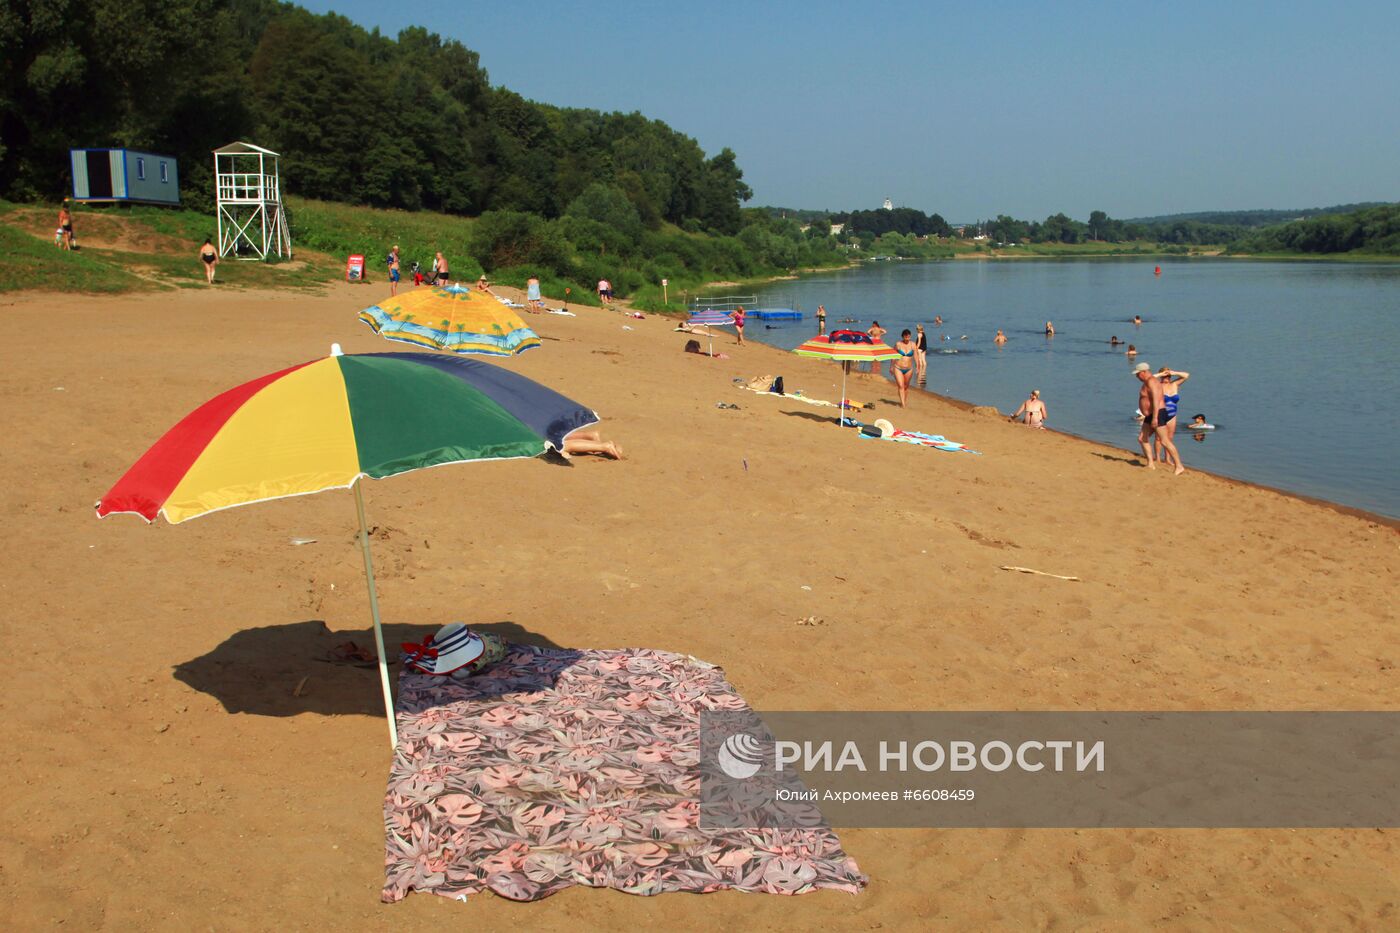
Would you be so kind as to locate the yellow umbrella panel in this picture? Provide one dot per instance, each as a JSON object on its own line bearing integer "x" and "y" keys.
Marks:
{"x": 451, "y": 318}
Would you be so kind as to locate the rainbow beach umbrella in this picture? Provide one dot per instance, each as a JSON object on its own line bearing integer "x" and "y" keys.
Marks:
{"x": 451, "y": 318}
{"x": 847, "y": 347}
{"x": 327, "y": 424}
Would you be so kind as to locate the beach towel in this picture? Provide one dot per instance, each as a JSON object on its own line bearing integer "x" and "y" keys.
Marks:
{"x": 936, "y": 441}
{"x": 557, "y": 767}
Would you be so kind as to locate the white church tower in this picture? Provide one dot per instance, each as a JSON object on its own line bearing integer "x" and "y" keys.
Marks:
{"x": 888, "y": 205}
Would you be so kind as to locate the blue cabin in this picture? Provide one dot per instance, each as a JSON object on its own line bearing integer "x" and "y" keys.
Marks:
{"x": 124, "y": 175}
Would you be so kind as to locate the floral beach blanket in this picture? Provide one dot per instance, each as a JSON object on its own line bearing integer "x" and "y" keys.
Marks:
{"x": 557, "y": 767}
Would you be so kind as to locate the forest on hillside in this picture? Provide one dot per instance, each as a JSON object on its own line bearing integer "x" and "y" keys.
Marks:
{"x": 409, "y": 122}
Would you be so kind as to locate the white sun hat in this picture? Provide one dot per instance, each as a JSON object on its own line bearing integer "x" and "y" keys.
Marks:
{"x": 453, "y": 647}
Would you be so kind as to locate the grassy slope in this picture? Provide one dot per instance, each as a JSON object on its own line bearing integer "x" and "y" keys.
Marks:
{"x": 128, "y": 248}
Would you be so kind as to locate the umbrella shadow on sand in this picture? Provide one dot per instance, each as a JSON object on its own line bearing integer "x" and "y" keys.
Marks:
{"x": 259, "y": 670}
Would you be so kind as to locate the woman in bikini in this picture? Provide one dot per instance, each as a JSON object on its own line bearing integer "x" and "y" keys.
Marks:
{"x": 921, "y": 355}
{"x": 1171, "y": 380}
{"x": 877, "y": 334}
{"x": 904, "y": 366}
{"x": 210, "y": 257}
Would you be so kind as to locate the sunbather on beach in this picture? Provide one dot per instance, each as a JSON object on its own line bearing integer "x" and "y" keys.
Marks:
{"x": 1033, "y": 410}
{"x": 590, "y": 442}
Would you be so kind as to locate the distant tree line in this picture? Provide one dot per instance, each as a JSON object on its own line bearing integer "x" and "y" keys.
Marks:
{"x": 1374, "y": 230}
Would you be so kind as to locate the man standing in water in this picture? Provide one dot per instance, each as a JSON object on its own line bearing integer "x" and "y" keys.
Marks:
{"x": 1154, "y": 418}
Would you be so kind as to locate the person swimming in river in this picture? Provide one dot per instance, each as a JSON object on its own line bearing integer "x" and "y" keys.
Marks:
{"x": 1132, "y": 351}
{"x": 1137, "y": 320}
{"x": 1114, "y": 341}
{"x": 1049, "y": 329}
{"x": 938, "y": 320}
{"x": 999, "y": 339}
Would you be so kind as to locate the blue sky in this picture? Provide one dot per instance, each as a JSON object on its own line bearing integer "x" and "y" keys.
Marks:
{"x": 976, "y": 108}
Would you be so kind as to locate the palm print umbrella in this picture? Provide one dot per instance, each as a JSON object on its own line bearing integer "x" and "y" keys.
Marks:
{"x": 847, "y": 347}
{"x": 451, "y": 318}
{"x": 329, "y": 423}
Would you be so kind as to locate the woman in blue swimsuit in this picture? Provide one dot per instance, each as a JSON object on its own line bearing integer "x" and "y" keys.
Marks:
{"x": 904, "y": 366}
{"x": 1171, "y": 380}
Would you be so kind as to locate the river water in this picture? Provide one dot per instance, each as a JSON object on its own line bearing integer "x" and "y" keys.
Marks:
{"x": 1296, "y": 363}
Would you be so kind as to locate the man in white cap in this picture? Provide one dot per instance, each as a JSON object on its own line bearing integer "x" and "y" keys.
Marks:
{"x": 1154, "y": 418}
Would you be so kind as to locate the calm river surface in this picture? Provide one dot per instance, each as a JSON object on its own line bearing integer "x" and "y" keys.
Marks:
{"x": 1298, "y": 364}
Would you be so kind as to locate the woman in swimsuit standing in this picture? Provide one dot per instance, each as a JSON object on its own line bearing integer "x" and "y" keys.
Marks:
{"x": 904, "y": 366}
{"x": 210, "y": 257}
{"x": 1171, "y": 380}
{"x": 921, "y": 356}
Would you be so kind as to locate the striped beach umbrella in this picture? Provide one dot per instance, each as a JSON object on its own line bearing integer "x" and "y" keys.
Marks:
{"x": 452, "y": 318}
{"x": 329, "y": 423}
{"x": 707, "y": 318}
{"x": 847, "y": 347}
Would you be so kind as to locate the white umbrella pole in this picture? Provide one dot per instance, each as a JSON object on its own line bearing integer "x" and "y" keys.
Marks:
{"x": 841, "y": 405}
{"x": 374, "y": 613}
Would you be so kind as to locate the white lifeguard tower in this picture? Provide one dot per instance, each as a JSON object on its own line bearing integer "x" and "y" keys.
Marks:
{"x": 248, "y": 191}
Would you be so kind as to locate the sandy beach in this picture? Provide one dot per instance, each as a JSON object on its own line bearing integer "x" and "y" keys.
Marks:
{"x": 164, "y": 773}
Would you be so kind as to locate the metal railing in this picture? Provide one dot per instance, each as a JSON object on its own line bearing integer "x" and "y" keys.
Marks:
{"x": 252, "y": 187}
{"x": 725, "y": 303}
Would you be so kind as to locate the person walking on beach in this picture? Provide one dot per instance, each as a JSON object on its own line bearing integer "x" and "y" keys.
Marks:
{"x": 999, "y": 339}
{"x": 1154, "y": 419}
{"x": 1171, "y": 380}
{"x": 1034, "y": 411}
{"x": 440, "y": 270}
{"x": 903, "y": 367}
{"x": 739, "y": 322}
{"x": 394, "y": 270}
{"x": 605, "y": 291}
{"x": 210, "y": 257}
{"x": 921, "y": 355}
{"x": 65, "y": 223}
{"x": 532, "y": 294}
{"x": 821, "y": 320}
